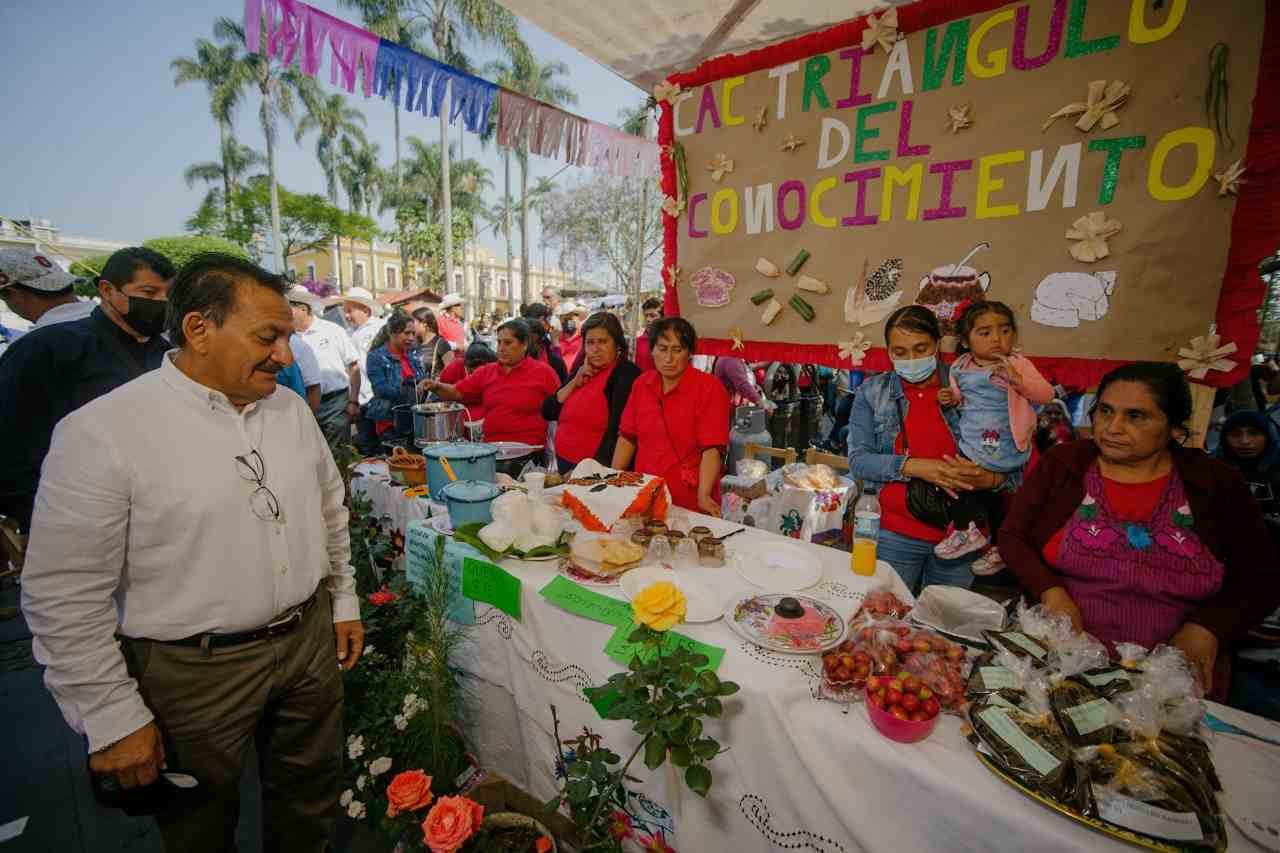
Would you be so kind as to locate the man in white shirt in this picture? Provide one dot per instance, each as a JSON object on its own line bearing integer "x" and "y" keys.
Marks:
{"x": 198, "y": 516}
{"x": 308, "y": 368}
{"x": 340, "y": 367}
{"x": 38, "y": 290}
{"x": 361, "y": 313}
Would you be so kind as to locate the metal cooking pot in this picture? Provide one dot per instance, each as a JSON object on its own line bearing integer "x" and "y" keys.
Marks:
{"x": 403, "y": 416}
{"x": 434, "y": 422}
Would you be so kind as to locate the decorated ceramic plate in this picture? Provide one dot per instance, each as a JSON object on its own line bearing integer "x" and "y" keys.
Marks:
{"x": 508, "y": 450}
{"x": 780, "y": 567}
{"x": 1117, "y": 832}
{"x": 701, "y": 605}
{"x": 575, "y": 574}
{"x": 753, "y": 617}
{"x": 442, "y": 525}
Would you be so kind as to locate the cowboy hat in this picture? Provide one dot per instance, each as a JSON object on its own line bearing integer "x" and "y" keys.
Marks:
{"x": 298, "y": 293}
{"x": 449, "y": 301}
{"x": 358, "y": 295}
{"x": 571, "y": 308}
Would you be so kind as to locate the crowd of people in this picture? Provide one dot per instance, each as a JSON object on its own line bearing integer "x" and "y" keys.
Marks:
{"x": 180, "y": 507}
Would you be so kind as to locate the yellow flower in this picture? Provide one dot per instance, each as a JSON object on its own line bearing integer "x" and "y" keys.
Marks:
{"x": 660, "y": 606}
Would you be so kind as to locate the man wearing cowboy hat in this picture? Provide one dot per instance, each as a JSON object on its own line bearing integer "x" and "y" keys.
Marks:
{"x": 449, "y": 321}
{"x": 571, "y": 316}
{"x": 340, "y": 368}
{"x": 363, "y": 316}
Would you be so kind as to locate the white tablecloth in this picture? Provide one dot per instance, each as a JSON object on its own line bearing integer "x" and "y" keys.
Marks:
{"x": 800, "y": 773}
{"x": 392, "y": 510}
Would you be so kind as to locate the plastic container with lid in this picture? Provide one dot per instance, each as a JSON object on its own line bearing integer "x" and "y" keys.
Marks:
{"x": 469, "y": 461}
{"x": 469, "y": 501}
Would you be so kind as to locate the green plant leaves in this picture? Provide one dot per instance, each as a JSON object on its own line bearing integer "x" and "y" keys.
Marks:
{"x": 655, "y": 751}
{"x": 698, "y": 778}
{"x": 685, "y": 677}
{"x": 681, "y": 756}
{"x": 712, "y": 708}
{"x": 728, "y": 688}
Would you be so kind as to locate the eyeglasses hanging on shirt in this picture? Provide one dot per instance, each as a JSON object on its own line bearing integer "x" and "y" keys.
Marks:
{"x": 253, "y": 468}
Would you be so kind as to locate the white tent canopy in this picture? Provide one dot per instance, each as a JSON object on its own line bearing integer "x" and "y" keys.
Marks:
{"x": 644, "y": 41}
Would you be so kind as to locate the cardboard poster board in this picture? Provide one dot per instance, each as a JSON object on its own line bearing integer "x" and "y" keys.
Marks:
{"x": 897, "y": 201}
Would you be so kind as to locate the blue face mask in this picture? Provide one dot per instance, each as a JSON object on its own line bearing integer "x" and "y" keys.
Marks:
{"x": 916, "y": 369}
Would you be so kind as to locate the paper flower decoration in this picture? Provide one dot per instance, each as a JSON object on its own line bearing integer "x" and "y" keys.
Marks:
{"x": 673, "y": 207}
{"x": 761, "y": 121}
{"x": 881, "y": 31}
{"x": 1100, "y": 109}
{"x": 959, "y": 117}
{"x": 791, "y": 143}
{"x": 673, "y": 274}
{"x": 666, "y": 92}
{"x": 1205, "y": 353}
{"x": 720, "y": 166}
{"x": 1090, "y": 233}
{"x": 856, "y": 349}
{"x": 737, "y": 335}
{"x": 1230, "y": 180}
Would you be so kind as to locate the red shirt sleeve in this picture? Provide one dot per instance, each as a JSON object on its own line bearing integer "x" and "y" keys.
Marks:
{"x": 713, "y": 415}
{"x": 472, "y": 387}
{"x": 454, "y": 372}
{"x": 629, "y": 427}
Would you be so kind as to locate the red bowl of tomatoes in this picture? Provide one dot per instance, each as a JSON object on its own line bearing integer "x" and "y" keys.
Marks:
{"x": 901, "y": 708}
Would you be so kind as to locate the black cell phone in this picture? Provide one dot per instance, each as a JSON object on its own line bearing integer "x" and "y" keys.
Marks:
{"x": 173, "y": 790}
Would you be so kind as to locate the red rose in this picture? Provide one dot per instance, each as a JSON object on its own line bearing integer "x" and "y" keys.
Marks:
{"x": 408, "y": 792}
{"x": 451, "y": 821}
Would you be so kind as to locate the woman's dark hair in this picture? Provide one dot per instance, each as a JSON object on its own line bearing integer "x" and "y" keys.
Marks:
{"x": 980, "y": 308}
{"x": 207, "y": 286}
{"x": 913, "y": 318}
{"x": 678, "y": 326}
{"x": 651, "y": 303}
{"x": 428, "y": 319}
{"x": 536, "y": 311}
{"x": 523, "y": 333}
{"x": 478, "y": 354}
{"x": 1165, "y": 382}
{"x": 610, "y": 324}
{"x": 397, "y": 323}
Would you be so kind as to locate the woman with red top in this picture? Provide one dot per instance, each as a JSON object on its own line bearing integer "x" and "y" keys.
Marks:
{"x": 1138, "y": 539}
{"x": 478, "y": 355}
{"x": 589, "y": 407}
{"x": 676, "y": 424}
{"x": 511, "y": 391}
{"x": 898, "y": 433}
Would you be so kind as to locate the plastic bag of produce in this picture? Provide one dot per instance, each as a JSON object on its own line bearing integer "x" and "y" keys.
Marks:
{"x": 1018, "y": 643}
{"x": 1026, "y": 745}
{"x": 942, "y": 676}
{"x": 1085, "y": 717}
{"x": 881, "y": 601}
{"x": 988, "y": 676}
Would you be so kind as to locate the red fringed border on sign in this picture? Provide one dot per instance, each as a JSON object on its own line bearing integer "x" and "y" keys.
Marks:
{"x": 1255, "y": 225}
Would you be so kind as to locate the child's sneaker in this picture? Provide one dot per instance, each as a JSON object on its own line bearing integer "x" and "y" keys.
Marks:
{"x": 960, "y": 543}
{"x": 990, "y": 563}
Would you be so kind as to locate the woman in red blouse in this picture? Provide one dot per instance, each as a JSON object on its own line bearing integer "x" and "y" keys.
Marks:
{"x": 589, "y": 407}
{"x": 676, "y": 424}
{"x": 1137, "y": 538}
{"x": 511, "y": 390}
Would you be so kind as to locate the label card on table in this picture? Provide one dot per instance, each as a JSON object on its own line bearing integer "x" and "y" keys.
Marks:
{"x": 621, "y": 650}
{"x": 491, "y": 584}
{"x": 420, "y": 563}
{"x": 580, "y": 601}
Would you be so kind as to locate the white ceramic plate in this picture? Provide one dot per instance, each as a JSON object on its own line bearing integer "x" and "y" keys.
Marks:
{"x": 777, "y": 567}
{"x": 702, "y": 605}
{"x": 751, "y": 617}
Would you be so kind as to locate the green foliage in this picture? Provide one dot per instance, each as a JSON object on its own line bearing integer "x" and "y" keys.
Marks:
{"x": 307, "y": 220}
{"x": 666, "y": 698}
{"x": 179, "y": 250}
{"x": 423, "y": 239}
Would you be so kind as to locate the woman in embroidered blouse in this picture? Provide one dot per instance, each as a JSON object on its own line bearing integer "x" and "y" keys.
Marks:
{"x": 1137, "y": 538}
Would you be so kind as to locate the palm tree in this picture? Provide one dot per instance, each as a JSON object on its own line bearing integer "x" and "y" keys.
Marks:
{"x": 636, "y": 122}
{"x": 453, "y": 22}
{"x": 279, "y": 88}
{"x": 362, "y": 178}
{"x": 215, "y": 66}
{"x": 236, "y": 162}
{"x": 539, "y": 198}
{"x": 539, "y": 81}
{"x": 330, "y": 117}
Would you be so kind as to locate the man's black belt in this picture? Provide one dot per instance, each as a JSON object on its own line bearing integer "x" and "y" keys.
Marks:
{"x": 287, "y": 621}
{"x": 333, "y": 394}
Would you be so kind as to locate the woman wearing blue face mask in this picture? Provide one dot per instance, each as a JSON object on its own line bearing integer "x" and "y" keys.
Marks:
{"x": 901, "y": 443}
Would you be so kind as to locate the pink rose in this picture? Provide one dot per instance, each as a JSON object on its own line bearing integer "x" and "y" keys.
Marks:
{"x": 408, "y": 792}
{"x": 451, "y": 821}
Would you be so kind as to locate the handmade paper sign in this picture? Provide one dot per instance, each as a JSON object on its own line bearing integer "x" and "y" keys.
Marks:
{"x": 621, "y": 650}
{"x": 420, "y": 563}
{"x": 482, "y": 581}
{"x": 1056, "y": 155}
{"x": 579, "y": 600}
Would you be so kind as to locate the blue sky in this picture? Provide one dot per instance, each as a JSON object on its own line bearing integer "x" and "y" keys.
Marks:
{"x": 97, "y": 136}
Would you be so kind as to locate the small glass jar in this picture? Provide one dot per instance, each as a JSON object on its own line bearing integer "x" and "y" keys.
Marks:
{"x": 697, "y": 534}
{"x": 659, "y": 550}
{"x": 643, "y": 538}
{"x": 686, "y": 551}
{"x": 711, "y": 552}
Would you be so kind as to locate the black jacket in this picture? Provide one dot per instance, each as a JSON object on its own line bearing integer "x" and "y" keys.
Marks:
{"x": 617, "y": 390}
{"x": 49, "y": 373}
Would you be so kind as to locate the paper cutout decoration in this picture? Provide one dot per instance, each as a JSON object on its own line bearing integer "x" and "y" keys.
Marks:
{"x": 767, "y": 268}
{"x": 949, "y": 286}
{"x": 673, "y": 274}
{"x": 736, "y": 334}
{"x": 884, "y": 281}
{"x": 712, "y": 287}
{"x": 856, "y": 349}
{"x": 882, "y": 31}
{"x": 1205, "y": 353}
{"x": 791, "y": 143}
{"x": 719, "y": 166}
{"x": 1230, "y": 180}
{"x": 761, "y": 121}
{"x": 959, "y": 117}
{"x": 673, "y": 207}
{"x": 1099, "y": 109}
{"x": 1063, "y": 299}
{"x": 666, "y": 93}
{"x": 875, "y": 297}
{"x": 1091, "y": 232}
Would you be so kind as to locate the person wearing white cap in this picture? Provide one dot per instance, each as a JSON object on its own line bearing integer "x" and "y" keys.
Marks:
{"x": 37, "y": 289}
{"x": 571, "y": 316}
{"x": 449, "y": 321}
{"x": 339, "y": 365}
{"x": 362, "y": 315}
